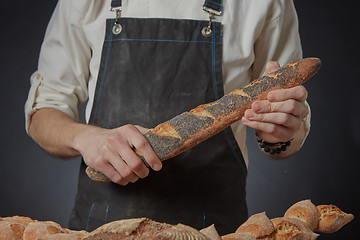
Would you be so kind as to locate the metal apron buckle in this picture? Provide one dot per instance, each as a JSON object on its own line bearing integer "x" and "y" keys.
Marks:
{"x": 117, "y": 26}
{"x": 206, "y": 31}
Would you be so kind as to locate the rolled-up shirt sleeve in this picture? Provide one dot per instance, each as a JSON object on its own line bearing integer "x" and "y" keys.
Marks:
{"x": 60, "y": 81}
{"x": 280, "y": 41}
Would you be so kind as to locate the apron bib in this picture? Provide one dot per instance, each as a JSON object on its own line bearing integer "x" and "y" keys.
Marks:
{"x": 151, "y": 71}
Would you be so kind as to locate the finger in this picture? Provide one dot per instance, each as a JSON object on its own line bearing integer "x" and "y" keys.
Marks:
{"x": 279, "y": 118}
{"x": 139, "y": 142}
{"x": 125, "y": 171}
{"x": 274, "y": 132}
{"x": 267, "y": 137}
{"x": 116, "y": 161}
{"x": 298, "y": 93}
{"x": 125, "y": 161}
{"x": 134, "y": 163}
{"x": 293, "y": 107}
{"x": 108, "y": 170}
{"x": 270, "y": 67}
{"x": 101, "y": 163}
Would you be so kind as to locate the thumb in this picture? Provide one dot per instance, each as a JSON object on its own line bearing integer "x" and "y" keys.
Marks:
{"x": 271, "y": 66}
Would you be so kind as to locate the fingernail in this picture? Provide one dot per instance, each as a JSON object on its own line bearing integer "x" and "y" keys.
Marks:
{"x": 256, "y": 106}
{"x": 245, "y": 120}
{"x": 270, "y": 96}
{"x": 157, "y": 166}
{"x": 250, "y": 114}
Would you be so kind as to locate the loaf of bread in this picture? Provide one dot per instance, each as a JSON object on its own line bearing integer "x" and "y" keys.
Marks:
{"x": 258, "y": 225}
{"x": 144, "y": 228}
{"x": 11, "y": 230}
{"x": 38, "y": 230}
{"x": 62, "y": 236}
{"x": 332, "y": 218}
{"x": 238, "y": 236}
{"x": 299, "y": 222}
{"x": 18, "y": 219}
{"x": 291, "y": 229}
{"x": 211, "y": 232}
{"x": 25, "y": 228}
{"x": 296, "y": 226}
{"x": 306, "y": 211}
{"x": 186, "y": 130}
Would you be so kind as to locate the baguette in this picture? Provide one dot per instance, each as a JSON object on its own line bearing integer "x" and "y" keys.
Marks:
{"x": 186, "y": 130}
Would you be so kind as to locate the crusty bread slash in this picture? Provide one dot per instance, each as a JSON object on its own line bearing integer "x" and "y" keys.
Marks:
{"x": 332, "y": 218}
{"x": 190, "y": 128}
{"x": 306, "y": 211}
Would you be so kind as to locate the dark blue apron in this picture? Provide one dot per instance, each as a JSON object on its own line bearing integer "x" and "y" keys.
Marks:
{"x": 151, "y": 70}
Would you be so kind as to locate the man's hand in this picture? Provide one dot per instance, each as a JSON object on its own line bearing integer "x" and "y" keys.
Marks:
{"x": 111, "y": 152}
{"x": 279, "y": 118}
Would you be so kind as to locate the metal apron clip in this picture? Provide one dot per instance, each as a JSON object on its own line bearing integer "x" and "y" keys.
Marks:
{"x": 116, "y": 7}
{"x": 213, "y": 9}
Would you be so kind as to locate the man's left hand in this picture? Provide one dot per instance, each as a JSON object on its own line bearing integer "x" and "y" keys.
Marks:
{"x": 280, "y": 116}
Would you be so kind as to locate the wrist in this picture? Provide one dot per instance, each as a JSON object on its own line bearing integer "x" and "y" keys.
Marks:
{"x": 83, "y": 133}
{"x": 272, "y": 148}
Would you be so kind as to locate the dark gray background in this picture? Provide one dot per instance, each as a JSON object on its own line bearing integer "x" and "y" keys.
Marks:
{"x": 37, "y": 185}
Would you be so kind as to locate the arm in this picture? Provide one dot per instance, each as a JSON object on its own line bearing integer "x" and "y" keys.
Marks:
{"x": 280, "y": 118}
{"x": 60, "y": 86}
{"x": 107, "y": 150}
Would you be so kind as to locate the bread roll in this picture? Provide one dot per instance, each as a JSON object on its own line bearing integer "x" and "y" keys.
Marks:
{"x": 258, "y": 225}
{"x": 62, "y": 236}
{"x": 238, "y": 236}
{"x": 143, "y": 228}
{"x": 332, "y": 218}
{"x": 39, "y": 230}
{"x": 291, "y": 229}
{"x": 19, "y": 219}
{"x": 211, "y": 232}
{"x": 190, "y": 128}
{"x": 80, "y": 234}
{"x": 306, "y": 211}
{"x": 11, "y": 230}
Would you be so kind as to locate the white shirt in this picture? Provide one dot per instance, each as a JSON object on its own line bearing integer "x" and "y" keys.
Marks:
{"x": 254, "y": 32}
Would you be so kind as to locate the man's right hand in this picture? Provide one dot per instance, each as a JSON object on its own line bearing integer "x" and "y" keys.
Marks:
{"x": 111, "y": 152}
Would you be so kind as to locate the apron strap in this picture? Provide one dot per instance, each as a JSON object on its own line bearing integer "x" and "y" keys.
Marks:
{"x": 116, "y": 4}
{"x": 213, "y": 7}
